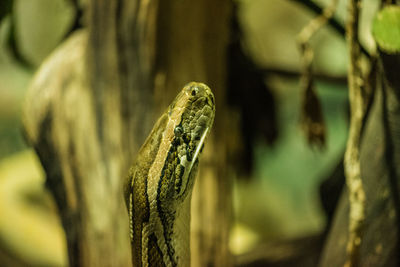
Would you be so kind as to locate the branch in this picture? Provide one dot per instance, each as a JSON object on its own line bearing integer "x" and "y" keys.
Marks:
{"x": 333, "y": 22}
{"x": 312, "y": 120}
{"x": 352, "y": 154}
{"x": 340, "y": 80}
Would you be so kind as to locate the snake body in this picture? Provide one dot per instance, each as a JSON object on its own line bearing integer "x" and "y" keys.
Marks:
{"x": 159, "y": 186}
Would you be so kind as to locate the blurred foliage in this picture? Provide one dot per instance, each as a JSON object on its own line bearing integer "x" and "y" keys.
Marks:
{"x": 271, "y": 39}
{"x": 283, "y": 202}
{"x": 40, "y": 25}
{"x": 37, "y": 27}
{"x": 5, "y": 8}
{"x": 29, "y": 225}
{"x": 386, "y": 29}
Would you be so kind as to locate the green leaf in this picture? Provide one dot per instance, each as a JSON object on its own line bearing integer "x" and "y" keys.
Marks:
{"x": 386, "y": 29}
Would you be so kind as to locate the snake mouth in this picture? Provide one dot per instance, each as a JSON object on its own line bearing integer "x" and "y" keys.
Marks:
{"x": 198, "y": 148}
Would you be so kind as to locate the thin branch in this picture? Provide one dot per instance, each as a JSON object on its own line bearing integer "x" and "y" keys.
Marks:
{"x": 312, "y": 119}
{"x": 388, "y": 2}
{"x": 323, "y": 77}
{"x": 317, "y": 23}
{"x": 333, "y": 22}
{"x": 352, "y": 154}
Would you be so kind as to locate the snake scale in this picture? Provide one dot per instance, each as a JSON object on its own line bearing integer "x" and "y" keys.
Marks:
{"x": 159, "y": 185}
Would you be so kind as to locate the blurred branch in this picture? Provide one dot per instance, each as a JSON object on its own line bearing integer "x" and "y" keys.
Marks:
{"x": 340, "y": 80}
{"x": 13, "y": 47}
{"x": 317, "y": 23}
{"x": 8, "y": 259}
{"x": 388, "y": 2}
{"x": 294, "y": 252}
{"x": 312, "y": 120}
{"x": 333, "y": 22}
{"x": 77, "y": 24}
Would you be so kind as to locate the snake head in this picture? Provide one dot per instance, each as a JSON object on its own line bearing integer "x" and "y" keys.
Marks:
{"x": 161, "y": 180}
{"x": 191, "y": 116}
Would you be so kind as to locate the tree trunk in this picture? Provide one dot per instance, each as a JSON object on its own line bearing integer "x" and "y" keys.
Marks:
{"x": 95, "y": 99}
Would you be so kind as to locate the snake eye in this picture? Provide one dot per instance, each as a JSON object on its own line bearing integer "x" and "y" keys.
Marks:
{"x": 195, "y": 90}
{"x": 178, "y": 131}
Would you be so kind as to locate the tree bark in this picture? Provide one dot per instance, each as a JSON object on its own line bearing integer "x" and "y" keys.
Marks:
{"x": 95, "y": 99}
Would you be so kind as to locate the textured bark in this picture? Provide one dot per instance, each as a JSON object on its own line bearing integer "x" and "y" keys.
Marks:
{"x": 352, "y": 165}
{"x": 93, "y": 102}
{"x": 61, "y": 122}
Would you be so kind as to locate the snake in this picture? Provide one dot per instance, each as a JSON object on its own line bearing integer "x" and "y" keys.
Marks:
{"x": 159, "y": 186}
